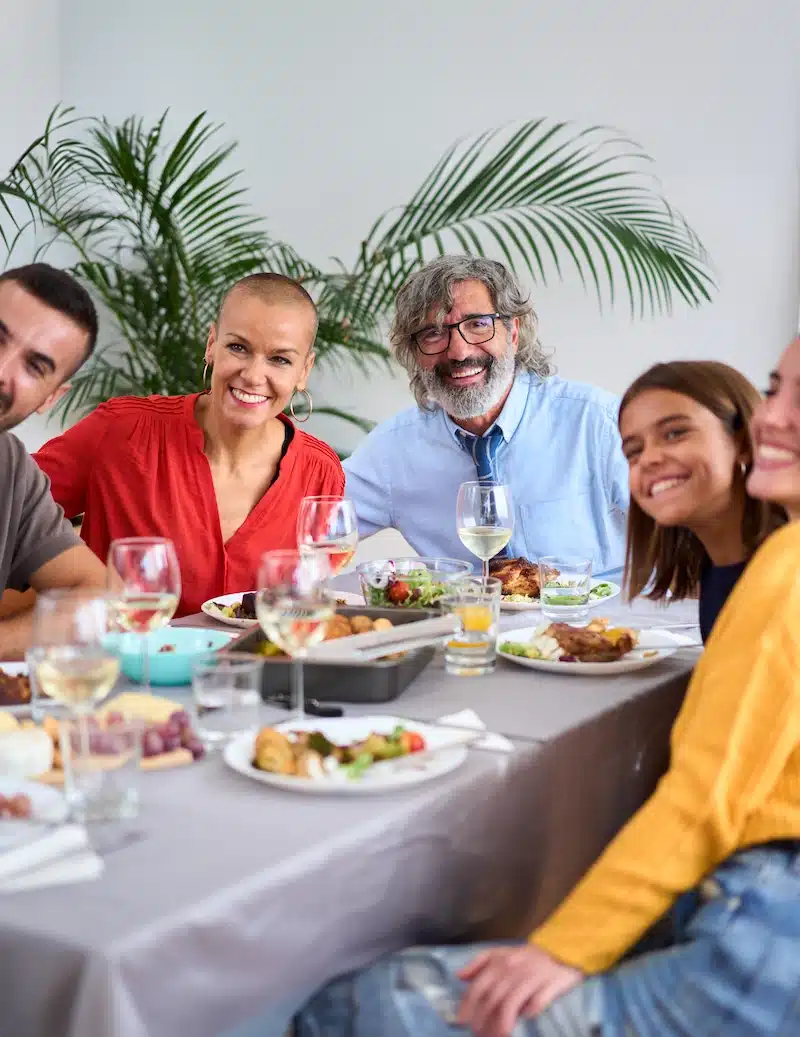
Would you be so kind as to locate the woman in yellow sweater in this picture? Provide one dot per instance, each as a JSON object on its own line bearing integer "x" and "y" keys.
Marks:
{"x": 718, "y": 841}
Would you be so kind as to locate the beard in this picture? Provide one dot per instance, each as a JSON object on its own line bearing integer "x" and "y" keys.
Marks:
{"x": 473, "y": 400}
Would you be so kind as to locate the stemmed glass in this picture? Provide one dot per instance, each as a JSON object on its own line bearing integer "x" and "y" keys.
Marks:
{"x": 145, "y": 580}
{"x": 293, "y": 605}
{"x": 484, "y": 519}
{"x": 70, "y": 659}
{"x": 328, "y": 525}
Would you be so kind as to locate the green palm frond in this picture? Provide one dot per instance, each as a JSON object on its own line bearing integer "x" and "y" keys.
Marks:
{"x": 543, "y": 196}
{"x": 160, "y": 227}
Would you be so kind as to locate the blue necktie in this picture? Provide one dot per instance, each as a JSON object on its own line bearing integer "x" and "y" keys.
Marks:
{"x": 483, "y": 450}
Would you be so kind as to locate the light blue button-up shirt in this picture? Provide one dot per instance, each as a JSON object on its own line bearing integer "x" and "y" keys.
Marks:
{"x": 560, "y": 454}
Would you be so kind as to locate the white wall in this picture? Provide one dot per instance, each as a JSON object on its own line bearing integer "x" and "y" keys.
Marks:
{"x": 342, "y": 108}
{"x": 30, "y": 85}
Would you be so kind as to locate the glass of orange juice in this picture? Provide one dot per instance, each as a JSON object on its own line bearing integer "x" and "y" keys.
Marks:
{"x": 473, "y": 650}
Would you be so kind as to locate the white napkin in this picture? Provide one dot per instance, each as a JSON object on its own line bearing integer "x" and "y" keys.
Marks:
{"x": 61, "y": 856}
{"x": 469, "y": 719}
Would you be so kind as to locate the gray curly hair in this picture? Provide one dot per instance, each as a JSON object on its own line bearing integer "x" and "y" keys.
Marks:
{"x": 432, "y": 286}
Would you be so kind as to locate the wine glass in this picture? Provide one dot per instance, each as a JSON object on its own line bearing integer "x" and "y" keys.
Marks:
{"x": 328, "y": 525}
{"x": 70, "y": 659}
{"x": 293, "y": 605}
{"x": 484, "y": 519}
{"x": 145, "y": 579}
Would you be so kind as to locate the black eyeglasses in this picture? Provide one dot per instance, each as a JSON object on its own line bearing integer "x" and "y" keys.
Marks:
{"x": 475, "y": 330}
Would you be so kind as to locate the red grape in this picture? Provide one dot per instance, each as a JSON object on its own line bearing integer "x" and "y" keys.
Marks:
{"x": 171, "y": 742}
{"x": 153, "y": 743}
{"x": 180, "y": 718}
{"x": 196, "y": 748}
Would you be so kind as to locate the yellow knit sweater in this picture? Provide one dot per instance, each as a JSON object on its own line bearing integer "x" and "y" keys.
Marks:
{"x": 734, "y": 776}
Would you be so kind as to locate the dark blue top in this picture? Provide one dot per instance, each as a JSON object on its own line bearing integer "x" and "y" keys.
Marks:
{"x": 716, "y": 583}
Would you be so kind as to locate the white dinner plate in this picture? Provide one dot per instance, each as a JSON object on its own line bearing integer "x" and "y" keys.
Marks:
{"x": 535, "y": 605}
{"x": 210, "y": 609}
{"x": 654, "y": 645}
{"x": 48, "y": 808}
{"x": 389, "y": 776}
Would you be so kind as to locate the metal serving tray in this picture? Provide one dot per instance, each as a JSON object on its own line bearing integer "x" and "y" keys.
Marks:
{"x": 380, "y": 681}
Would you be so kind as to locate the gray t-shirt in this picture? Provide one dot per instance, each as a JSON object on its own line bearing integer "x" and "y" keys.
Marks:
{"x": 33, "y": 529}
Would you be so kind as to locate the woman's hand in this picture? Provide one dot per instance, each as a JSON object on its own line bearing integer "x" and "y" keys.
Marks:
{"x": 508, "y": 982}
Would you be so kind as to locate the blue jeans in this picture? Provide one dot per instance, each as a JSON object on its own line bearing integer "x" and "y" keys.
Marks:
{"x": 733, "y": 970}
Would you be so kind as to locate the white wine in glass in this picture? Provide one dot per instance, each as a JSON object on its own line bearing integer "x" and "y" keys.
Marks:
{"x": 293, "y": 605}
{"x": 76, "y": 675}
{"x": 328, "y": 525}
{"x": 145, "y": 579}
{"x": 69, "y": 658}
{"x": 484, "y": 519}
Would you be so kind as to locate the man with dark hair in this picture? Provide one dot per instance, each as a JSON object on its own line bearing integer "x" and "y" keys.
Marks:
{"x": 48, "y": 327}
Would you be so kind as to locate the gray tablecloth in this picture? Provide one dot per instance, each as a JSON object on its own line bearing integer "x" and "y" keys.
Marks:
{"x": 239, "y": 896}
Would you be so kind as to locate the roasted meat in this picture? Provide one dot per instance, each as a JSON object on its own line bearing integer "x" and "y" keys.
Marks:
{"x": 15, "y": 690}
{"x": 592, "y": 646}
{"x": 517, "y": 575}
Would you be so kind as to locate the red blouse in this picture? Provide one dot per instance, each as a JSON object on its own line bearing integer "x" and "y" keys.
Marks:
{"x": 136, "y": 467}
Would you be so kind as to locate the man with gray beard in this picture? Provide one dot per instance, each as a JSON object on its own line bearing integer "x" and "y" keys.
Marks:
{"x": 488, "y": 407}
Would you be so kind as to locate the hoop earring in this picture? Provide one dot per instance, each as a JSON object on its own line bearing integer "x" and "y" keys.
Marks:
{"x": 309, "y": 404}
{"x": 206, "y": 369}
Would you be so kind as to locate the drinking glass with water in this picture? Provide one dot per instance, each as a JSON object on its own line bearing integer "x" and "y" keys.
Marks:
{"x": 101, "y": 767}
{"x": 227, "y": 697}
{"x": 565, "y": 586}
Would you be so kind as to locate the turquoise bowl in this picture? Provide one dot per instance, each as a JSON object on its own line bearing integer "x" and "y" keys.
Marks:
{"x": 167, "y": 668}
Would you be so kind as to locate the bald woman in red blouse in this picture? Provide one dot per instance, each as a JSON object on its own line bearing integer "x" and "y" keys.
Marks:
{"x": 222, "y": 472}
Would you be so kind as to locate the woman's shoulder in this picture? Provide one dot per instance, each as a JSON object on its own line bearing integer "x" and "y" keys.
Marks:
{"x": 153, "y": 406}
{"x": 315, "y": 451}
{"x": 780, "y": 553}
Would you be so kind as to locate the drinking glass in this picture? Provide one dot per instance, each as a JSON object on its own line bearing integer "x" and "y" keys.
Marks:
{"x": 227, "y": 697}
{"x": 101, "y": 767}
{"x": 293, "y": 605}
{"x": 69, "y": 660}
{"x": 565, "y": 587}
{"x": 328, "y": 525}
{"x": 484, "y": 519}
{"x": 145, "y": 579}
{"x": 476, "y": 603}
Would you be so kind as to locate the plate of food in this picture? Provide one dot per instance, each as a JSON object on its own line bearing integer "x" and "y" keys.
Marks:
{"x": 348, "y": 756}
{"x": 235, "y": 610}
{"x": 239, "y": 610}
{"x": 26, "y": 808}
{"x": 15, "y": 685}
{"x": 409, "y": 582}
{"x": 596, "y": 650}
{"x": 521, "y": 585}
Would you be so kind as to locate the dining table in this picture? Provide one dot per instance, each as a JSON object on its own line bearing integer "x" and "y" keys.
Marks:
{"x": 227, "y": 902}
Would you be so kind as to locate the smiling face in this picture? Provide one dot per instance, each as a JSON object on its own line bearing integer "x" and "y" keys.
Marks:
{"x": 40, "y": 348}
{"x": 776, "y": 433}
{"x": 470, "y": 380}
{"x": 260, "y": 352}
{"x": 684, "y": 464}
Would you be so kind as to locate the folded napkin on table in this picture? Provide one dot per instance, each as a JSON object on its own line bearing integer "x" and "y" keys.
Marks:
{"x": 469, "y": 719}
{"x": 57, "y": 857}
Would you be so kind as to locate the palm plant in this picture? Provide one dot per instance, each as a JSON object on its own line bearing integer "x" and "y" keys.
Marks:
{"x": 159, "y": 230}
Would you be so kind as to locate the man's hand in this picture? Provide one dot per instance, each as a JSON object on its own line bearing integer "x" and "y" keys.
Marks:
{"x": 77, "y": 568}
{"x": 508, "y": 982}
